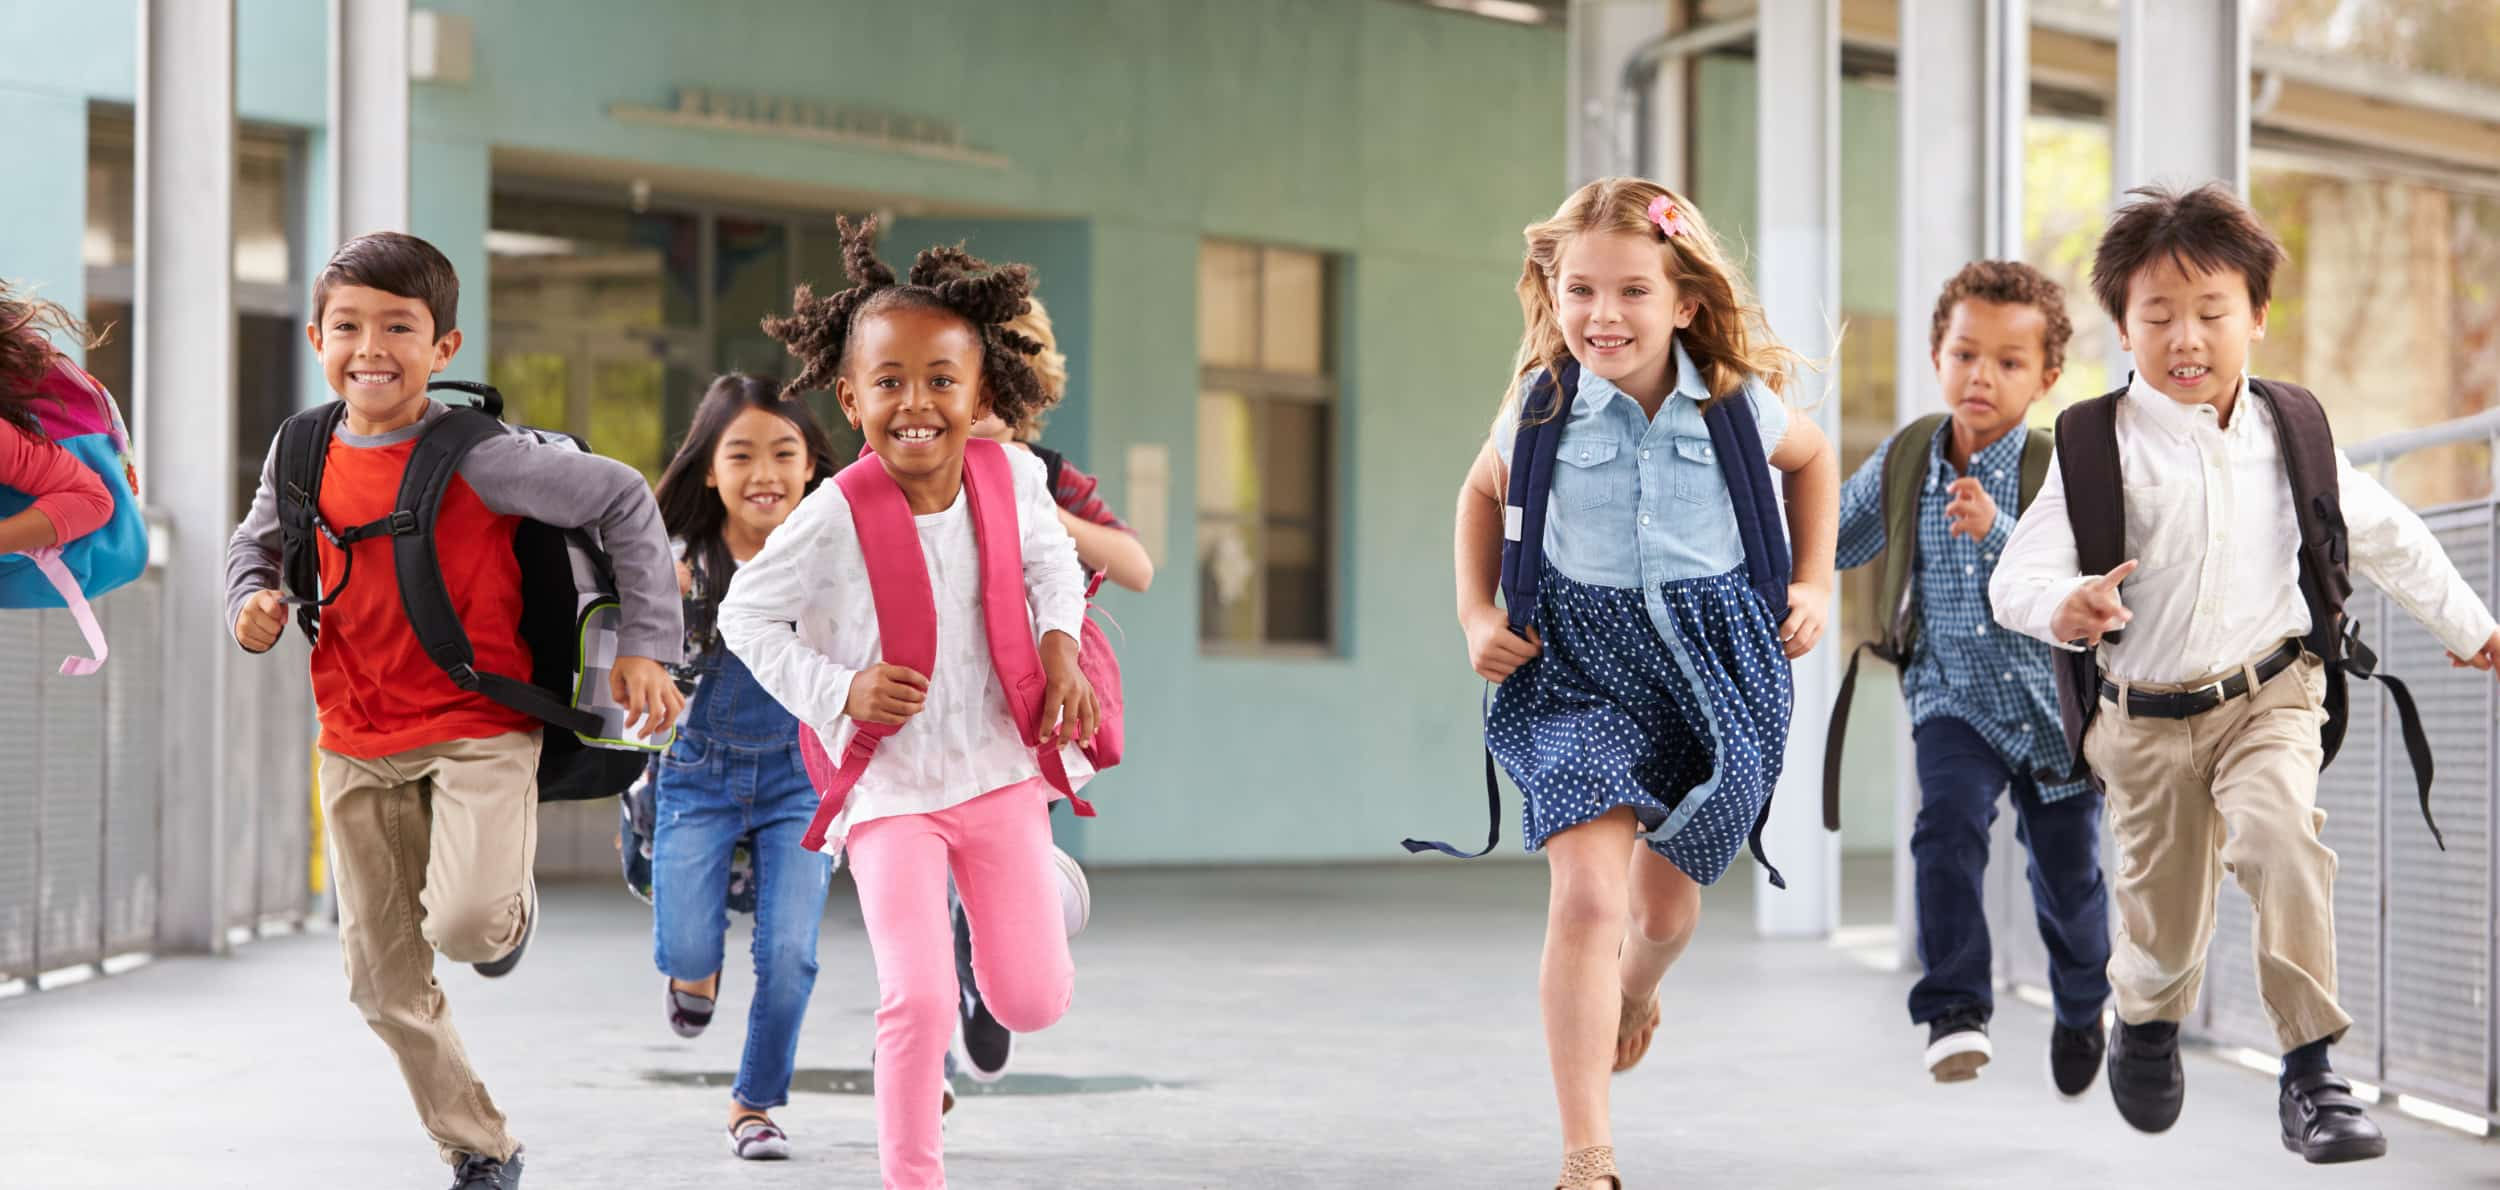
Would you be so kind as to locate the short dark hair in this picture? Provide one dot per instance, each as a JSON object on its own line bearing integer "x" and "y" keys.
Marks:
{"x": 2008, "y": 283}
{"x": 2208, "y": 227}
{"x": 395, "y": 264}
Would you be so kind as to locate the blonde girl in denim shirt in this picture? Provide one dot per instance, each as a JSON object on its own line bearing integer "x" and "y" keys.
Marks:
{"x": 1650, "y": 702}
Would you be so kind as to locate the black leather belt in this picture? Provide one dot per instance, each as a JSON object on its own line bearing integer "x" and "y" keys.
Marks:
{"x": 2187, "y": 704}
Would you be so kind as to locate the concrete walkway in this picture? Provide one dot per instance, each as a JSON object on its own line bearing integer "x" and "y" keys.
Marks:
{"x": 1293, "y": 1028}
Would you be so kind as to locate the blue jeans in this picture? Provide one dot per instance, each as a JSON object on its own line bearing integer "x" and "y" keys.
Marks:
{"x": 1959, "y": 777}
{"x": 734, "y": 773}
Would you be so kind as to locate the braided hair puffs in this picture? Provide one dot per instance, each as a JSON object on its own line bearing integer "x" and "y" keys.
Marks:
{"x": 819, "y": 331}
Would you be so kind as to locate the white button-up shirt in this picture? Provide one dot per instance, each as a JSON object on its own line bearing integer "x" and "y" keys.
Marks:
{"x": 801, "y": 616}
{"x": 2210, "y": 523}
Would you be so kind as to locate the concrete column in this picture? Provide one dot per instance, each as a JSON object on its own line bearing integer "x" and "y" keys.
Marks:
{"x": 2182, "y": 94}
{"x": 1797, "y": 52}
{"x": 1965, "y": 82}
{"x": 368, "y": 158}
{"x": 1625, "y": 87}
{"x": 183, "y": 367}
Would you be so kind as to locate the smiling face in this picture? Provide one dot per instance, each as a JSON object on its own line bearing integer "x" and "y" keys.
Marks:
{"x": 761, "y": 468}
{"x": 2189, "y": 330}
{"x": 378, "y": 350}
{"x": 1989, "y": 366}
{"x": 913, "y": 389}
{"x": 1618, "y": 311}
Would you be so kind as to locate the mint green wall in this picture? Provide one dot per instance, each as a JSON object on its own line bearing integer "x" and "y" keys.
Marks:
{"x": 1412, "y": 143}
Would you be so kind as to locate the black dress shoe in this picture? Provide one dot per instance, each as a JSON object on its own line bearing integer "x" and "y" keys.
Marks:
{"x": 2145, "y": 1080}
{"x": 2075, "y": 1058}
{"x": 2324, "y": 1123}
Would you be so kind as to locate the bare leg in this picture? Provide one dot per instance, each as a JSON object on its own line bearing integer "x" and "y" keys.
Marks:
{"x": 1579, "y": 985}
{"x": 1666, "y": 907}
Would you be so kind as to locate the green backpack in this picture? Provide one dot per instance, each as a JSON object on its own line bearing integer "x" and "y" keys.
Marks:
{"x": 1905, "y": 465}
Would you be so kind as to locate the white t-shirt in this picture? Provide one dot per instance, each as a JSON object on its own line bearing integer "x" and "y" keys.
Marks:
{"x": 800, "y": 614}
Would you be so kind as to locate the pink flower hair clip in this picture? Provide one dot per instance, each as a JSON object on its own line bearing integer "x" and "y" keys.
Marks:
{"x": 1663, "y": 213}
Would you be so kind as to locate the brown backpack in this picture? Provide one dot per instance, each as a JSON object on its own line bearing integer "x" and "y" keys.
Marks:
{"x": 2087, "y": 460}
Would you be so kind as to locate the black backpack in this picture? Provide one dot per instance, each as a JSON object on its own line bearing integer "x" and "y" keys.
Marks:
{"x": 569, "y": 607}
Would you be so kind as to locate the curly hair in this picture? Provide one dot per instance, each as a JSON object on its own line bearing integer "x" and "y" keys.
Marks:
{"x": 26, "y": 351}
{"x": 2008, "y": 283}
{"x": 1730, "y": 338}
{"x": 819, "y": 331}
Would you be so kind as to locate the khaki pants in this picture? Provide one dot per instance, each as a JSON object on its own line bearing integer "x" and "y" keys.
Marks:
{"x": 430, "y": 850}
{"x": 2234, "y": 789}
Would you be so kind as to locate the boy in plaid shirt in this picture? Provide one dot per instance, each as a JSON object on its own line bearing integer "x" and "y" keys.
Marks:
{"x": 1983, "y": 701}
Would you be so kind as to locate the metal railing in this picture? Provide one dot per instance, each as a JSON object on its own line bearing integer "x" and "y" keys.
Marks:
{"x": 82, "y": 800}
{"x": 2416, "y": 943}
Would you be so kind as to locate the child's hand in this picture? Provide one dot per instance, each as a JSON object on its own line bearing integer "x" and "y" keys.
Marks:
{"x": 887, "y": 694}
{"x": 1069, "y": 713}
{"x": 261, "y": 623}
{"x": 1809, "y": 607}
{"x": 1492, "y": 648}
{"x": 1970, "y": 512}
{"x": 2094, "y": 608}
{"x": 650, "y": 698}
{"x": 2488, "y": 659}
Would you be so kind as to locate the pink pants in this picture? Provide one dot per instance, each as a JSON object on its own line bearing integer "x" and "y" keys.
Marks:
{"x": 998, "y": 846}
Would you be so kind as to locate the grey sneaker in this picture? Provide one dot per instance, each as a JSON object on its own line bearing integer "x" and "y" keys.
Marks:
{"x": 485, "y": 1173}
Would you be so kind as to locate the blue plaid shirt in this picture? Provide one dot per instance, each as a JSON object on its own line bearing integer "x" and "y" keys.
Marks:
{"x": 1965, "y": 666}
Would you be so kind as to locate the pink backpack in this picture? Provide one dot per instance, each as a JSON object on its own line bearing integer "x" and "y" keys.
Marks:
{"x": 898, "y": 579}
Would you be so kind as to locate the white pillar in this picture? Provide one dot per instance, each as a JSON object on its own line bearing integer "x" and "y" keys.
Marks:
{"x": 2182, "y": 94}
{"x": 1797, "y": 54}
{"x": 1607, "y": 37}
{"x": 368, "y": 117}
{"x": 1965, "y": 79}
{"x": 183, "y": 368}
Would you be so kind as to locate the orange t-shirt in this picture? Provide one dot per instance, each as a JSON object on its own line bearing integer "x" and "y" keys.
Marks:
{"x": 377, "y": 691}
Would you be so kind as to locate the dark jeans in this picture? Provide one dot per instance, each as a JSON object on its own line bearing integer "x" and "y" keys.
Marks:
{"x": 1959, "y": 777}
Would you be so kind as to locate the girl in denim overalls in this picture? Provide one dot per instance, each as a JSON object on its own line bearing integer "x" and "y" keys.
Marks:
{"x": 1650, "y": 702}
{"x": 733, "y": 779}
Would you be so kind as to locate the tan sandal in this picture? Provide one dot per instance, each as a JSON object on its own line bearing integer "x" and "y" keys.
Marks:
{"x": 1592, "y": 1168}
{"x": 1638, "y": 1026}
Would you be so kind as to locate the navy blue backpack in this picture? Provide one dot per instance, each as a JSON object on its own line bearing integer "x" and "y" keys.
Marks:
{"x": 1758, "y": 525}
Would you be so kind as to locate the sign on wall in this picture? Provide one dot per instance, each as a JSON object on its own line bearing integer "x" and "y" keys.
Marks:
{"x": 813, "y": 120}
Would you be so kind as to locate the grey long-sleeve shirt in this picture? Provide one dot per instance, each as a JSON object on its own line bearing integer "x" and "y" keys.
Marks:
{"x": 515, "y": 474}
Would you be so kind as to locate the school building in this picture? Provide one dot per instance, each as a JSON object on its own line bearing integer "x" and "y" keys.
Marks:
{"x": 1279, "y": 240}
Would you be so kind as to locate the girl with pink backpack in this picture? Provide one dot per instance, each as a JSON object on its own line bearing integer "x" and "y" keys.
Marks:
{"x": 70, "y": 525}
{"x": 923, "y": 616}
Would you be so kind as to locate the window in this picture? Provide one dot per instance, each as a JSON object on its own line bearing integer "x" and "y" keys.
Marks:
{"x": 1266, "y": 449}
{"x": 271, "y": 280}
{"x": 603, "y": 329}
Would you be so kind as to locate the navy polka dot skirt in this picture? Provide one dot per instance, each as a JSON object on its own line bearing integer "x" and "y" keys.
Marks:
{"x": 1688, "y": 731}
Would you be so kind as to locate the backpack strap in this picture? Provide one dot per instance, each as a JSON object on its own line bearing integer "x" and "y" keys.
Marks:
{"x": 1904, "y": 475}
{"x": 2307, "y": 440}
{"x": 1006, "y": 613}
{"x": 418, "y": 562}
{"x": 1525, "y": 499}
{"x": 303, "y": 452}
{"x": 2039, "y": 449}
{"x": 1768, "y": 567}
{"x": 2096, "y": 514}
{"x": 898, "y": 584}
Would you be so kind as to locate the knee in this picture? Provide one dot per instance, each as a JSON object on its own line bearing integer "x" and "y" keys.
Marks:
{"x": 1584, "y": 907}
{"x": 475, "y": 929}
{"x": 1667, "y": 921}
{"x": 2275, "y": 848}
{"x": 1954, "y": 818}
{"x": 786, "y": 961}
{"x": 921, "y": 1006}
{"x": 1032, "y": 1003}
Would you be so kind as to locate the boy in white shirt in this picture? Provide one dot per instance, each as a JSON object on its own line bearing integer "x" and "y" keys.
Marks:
{"x": 2207, "y": 723}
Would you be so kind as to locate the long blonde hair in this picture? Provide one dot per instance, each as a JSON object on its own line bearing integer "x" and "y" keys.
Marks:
{"x": 1730, "y": 340}
{"x": 1049, "y": 366}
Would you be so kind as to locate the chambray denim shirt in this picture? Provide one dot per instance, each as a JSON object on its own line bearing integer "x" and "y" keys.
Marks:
{"x": 1640, "y": 501}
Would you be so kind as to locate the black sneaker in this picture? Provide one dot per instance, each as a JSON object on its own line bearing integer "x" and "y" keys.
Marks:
{"x": 498, "y": 968}
{"x": 2324, "y": 1123}
{"x": 485, "y": 1173}
{"x": 2145, "y": 1079}
{"x": 986, "y": 1042}
{"x": 2075, "y": 1058}
{"x": 1957, "y": 1045}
